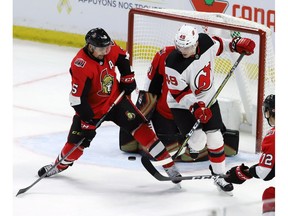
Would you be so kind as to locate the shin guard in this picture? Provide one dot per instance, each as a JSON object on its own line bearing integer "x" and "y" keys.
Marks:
{"x": 71, "y": 158}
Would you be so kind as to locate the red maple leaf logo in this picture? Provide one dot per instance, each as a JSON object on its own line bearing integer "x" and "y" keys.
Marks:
{"x": 217, "y": 6}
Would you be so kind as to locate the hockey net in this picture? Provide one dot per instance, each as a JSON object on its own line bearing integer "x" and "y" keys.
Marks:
{"x": 151, "y": 29}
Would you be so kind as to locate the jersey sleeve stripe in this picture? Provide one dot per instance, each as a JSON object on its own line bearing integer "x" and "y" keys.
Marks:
{"x": 178, "y": 95}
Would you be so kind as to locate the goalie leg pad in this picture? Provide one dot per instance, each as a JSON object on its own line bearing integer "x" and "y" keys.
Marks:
{"x": 146, "y": 103}
{"x": 231, "y": 140}
{"x": 127, "y": 143}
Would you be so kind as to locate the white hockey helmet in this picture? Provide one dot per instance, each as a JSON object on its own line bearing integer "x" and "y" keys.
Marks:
{"x": 186, "y": 36}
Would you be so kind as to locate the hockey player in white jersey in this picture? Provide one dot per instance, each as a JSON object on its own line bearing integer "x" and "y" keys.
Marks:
{"x": 190, "y": 79}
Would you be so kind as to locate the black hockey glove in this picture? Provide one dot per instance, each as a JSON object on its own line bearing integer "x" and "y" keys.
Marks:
{"x": 238, "y": 174}
{"x": 88, "y": 130}
{"x": 127, "y": 83}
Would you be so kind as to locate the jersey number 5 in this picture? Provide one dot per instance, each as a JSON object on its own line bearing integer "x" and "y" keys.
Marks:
{"x": 74, "y": 88}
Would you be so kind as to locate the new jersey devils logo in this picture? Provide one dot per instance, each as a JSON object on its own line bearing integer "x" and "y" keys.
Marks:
{"x": 202, "y": 80}
{"x": 106, "y": 83}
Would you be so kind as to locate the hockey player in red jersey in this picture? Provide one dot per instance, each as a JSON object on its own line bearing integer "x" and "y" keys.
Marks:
{"x": 152, "y": 102}
{"x": 94, "y": 89}
{"x": 190, "y": 80}
{"x": 265, "y": 168}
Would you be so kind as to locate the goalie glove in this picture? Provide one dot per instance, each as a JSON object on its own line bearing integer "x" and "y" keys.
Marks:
{"x": 238, "y": 174}
{"x": 241, "y": 45}
{"x": 201, "y": 112}
{"x": 127, "y": 83}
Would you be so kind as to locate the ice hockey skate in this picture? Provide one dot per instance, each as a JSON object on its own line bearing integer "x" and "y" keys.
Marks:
{"x": 221, "y": 184}
{"x": 224, "y": 186}
{"x": 172, "y": 173}
{"x": 52, "y": 172}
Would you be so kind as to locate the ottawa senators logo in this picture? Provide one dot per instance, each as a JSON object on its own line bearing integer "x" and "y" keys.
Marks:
{"x": 106, "y": 83}
{"x": 130, "y": 115}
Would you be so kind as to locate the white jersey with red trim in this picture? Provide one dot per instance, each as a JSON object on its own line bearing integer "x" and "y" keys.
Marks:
{"x": 190, "y": 79}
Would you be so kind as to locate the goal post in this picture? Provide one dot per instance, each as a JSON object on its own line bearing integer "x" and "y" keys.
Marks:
{"x": 151, "y": 29}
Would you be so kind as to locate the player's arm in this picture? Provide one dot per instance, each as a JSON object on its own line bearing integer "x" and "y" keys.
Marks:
{"x": 127, "y": 78}
{"x": 154, "y": 80}
{"x": 237, "y": 44}
{"x": 265, "y": 169}
{"x": 179, "y": 89}
{"x": 81, "y": 86}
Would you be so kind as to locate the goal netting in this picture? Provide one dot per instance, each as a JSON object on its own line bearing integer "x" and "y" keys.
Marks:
{"x": 241, "y": 99}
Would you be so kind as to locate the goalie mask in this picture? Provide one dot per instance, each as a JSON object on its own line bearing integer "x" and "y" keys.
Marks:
{"x": 186, "y": 40}
{"x": 269, "y": 106}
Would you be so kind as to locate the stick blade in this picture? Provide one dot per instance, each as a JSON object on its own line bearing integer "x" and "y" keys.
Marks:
{"x": 152, "y": 170}
{"x": 21, "y": 191}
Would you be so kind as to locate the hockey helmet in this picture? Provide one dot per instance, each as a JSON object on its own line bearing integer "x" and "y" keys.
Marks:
{"x": 269, "y": 105}
{"x": 98, "y": 37}
{"x": 186, "y": 36}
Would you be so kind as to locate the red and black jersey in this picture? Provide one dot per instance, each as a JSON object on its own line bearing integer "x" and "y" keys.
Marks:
{"x": 267, "y": 158}
{"x": 157, "y": 81}
{"x": 94, "y": 82}
{"x": 265, "y": 169}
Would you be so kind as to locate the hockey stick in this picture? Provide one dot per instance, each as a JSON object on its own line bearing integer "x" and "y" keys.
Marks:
{"x": 23, "y": 190}
{"x": 148, "y": 164}
{"x": 211, "y": 102}
{"x": 154, "y": 172}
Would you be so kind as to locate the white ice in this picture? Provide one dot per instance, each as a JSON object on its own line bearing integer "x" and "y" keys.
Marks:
{"x": 102, "y": 182}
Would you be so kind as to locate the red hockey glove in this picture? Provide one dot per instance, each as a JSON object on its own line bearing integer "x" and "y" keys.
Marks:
{"x": 88, "y": 131}
{"x": 238, "y": 174}
{"x": 201, "y": 112}
{"x": 241, "y": 45}
{"x": 128, "y": 83}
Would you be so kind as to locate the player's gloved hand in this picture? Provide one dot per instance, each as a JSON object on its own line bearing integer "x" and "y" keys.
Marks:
{"x": 238, "y": 174}
{"x": 128, "y": 83}
{"x": 201, "y": 112}
{"x": 241, "y": 45}
{"x": 88, "y": 130}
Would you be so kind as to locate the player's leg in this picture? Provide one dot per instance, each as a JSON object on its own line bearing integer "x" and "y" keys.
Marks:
{"x": 126, "y": 115}
{"x": 74, "y": 136}
{"x": 215, "y": 146}
{"x": 167, "y": 131}
{"x": 185, "y": 120}
{"x": 146, "y": 103}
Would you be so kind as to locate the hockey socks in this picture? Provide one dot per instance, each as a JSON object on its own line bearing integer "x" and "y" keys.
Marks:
{"x": 71, "y": 158}
{"x": 148, "y": 139}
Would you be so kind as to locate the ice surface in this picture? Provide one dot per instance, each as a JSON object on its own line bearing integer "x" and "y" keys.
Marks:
{"x": 102, "y": 182}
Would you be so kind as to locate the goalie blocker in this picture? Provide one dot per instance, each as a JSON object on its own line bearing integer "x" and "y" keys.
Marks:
{"x": 146, "y": 104}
